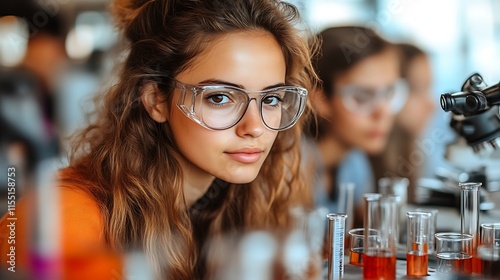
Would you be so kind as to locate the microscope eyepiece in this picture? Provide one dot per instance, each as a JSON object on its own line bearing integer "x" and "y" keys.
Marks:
{"x": 478, "y": 103}
{"x": 464, "y": 103}
{"x": 446, "y": 102}
{"x": 474, "y": 97}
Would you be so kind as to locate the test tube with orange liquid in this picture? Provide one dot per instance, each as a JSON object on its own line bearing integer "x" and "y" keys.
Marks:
{"x": 417, "y": 243}
{"x": 469, "y": 218}
{"x": 379, "y": 257}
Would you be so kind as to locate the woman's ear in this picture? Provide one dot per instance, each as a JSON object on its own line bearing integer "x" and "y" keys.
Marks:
{"x": 155, "y": 105}
{"x": 320, "y": 103}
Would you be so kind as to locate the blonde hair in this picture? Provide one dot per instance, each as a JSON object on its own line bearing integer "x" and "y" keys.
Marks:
{"x": 130, "y": 162}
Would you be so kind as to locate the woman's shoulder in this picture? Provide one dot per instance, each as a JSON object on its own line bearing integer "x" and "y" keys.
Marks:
{"x": 71, "y": 189}
{"x": 80, "y": 213}
{"x": 67, "y": 219}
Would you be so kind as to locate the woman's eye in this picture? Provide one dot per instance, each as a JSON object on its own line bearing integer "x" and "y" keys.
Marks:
{"x": 218, "y": 99}
{"x": 272, "y": 100}
{"x": 362, "y": 97}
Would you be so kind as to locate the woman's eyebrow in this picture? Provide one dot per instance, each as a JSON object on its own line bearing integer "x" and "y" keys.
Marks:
{"x": 273, "y": 86}
{"x": 222, "y": 82}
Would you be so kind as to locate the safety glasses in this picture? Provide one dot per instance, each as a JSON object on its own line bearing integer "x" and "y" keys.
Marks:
{"x": 220, "y": 107}
{"x": 363, "y": 101}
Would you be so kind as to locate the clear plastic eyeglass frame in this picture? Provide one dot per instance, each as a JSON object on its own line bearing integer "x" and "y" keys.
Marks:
{"x": 220, "y": 107}
{"x": 363, "y": 101}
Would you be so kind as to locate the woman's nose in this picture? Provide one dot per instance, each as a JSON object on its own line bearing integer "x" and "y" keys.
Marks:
{"x": 251, "y": 123}
{"x": 382, "y": 109}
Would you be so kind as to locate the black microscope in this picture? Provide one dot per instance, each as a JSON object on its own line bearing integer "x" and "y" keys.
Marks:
{"x": 476, "y": 119}
{"x": 475, "y": 113}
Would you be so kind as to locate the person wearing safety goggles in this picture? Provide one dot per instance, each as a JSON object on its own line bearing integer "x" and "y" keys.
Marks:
{"x": 199, "y": 138}
{"x": 402, "y": 156}
{"x": 360, "y": 94}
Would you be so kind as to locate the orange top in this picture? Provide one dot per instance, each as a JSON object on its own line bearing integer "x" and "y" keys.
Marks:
{"x": 81, "y": 241}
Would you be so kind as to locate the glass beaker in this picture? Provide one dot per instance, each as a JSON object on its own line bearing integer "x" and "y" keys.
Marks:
{"x": 356, "y": 240}
{"x": 454, "y": 253}
{"x": 488, "y": 252}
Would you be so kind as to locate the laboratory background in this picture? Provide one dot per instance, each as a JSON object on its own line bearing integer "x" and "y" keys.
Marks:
{"x": 461, "y": 38}
{"x": 78, "y": 57}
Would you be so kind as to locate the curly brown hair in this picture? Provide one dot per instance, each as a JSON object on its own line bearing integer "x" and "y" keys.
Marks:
{"x": 132, "y": 162}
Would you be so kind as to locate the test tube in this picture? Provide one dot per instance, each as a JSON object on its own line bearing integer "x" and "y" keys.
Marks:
{"x": 417, "y": 243}
{"x": 350, "y": 206}
{"x": 381, "y": 214}
{"x": 346, "y": 202}
{"x": 336, "y": 240}
{"x": 432, "y": 228}
{"x": 469, "y": 217}
{"x": 397, "y": 186}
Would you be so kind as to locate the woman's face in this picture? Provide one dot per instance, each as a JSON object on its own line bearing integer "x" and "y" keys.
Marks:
{"x": 365, "y": 127}
{"x": 249, "y": 60}
{"x": 420, "y": 105}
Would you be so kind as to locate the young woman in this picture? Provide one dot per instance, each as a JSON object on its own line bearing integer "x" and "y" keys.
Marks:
{"x": 398, "y": 159}
{"x": 198, "y": 138}
{"x": 360, "y": 94}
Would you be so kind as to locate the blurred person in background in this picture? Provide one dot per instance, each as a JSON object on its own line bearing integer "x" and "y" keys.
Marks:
{"x": 399, "y": 158}
{"x": 360, "y": 95}
{"x": 45, "y": 53}
{"x": 199, "y": 138}
{"x": 29, "y": 134}
{"x": 45, "y": 56}
{"x": 24, "y": 141}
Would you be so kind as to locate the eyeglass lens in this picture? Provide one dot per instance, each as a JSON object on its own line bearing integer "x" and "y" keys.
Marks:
{"x": 364, "y": 100}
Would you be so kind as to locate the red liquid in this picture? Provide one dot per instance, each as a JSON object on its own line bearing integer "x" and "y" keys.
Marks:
{"x": 454, "y": 263}
{"x": 477, "y": 265}
{"x": 379, "y": 265}
{"x": 356, "y": 256}
{"x": 416, "y": 264}
{"x": 490, "y": 268}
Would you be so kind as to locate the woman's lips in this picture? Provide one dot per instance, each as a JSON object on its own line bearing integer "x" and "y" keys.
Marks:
{"x": 246, "y": 155}
{"x": 377, "y": 134}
